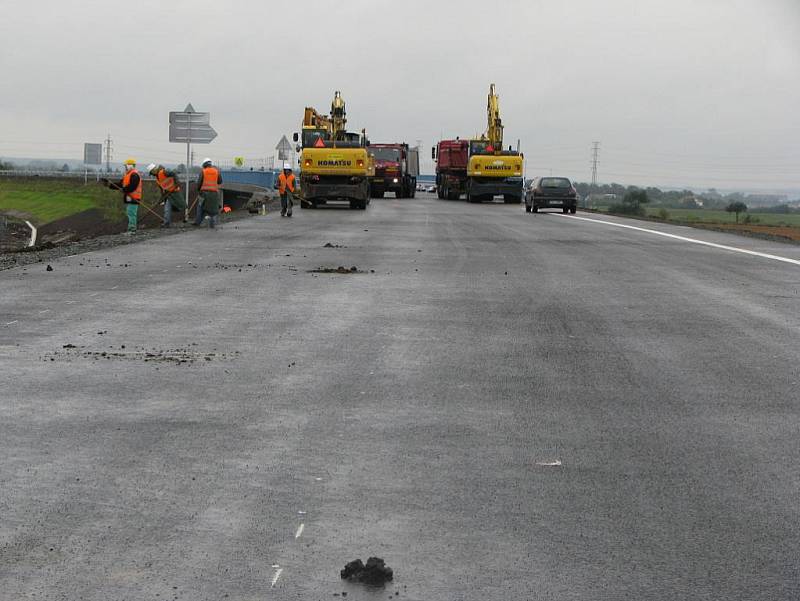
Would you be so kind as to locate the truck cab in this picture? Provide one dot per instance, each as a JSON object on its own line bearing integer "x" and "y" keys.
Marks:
{"x": 396, "y": 170}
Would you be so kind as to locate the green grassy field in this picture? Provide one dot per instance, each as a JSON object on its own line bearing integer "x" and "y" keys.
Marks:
{"x": 713, "y": 216}
{"x": 46, "y": 200}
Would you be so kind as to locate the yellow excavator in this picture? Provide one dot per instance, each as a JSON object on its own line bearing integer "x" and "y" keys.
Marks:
{"x": 334, "y": 163}
{"x": 492, "y": 171}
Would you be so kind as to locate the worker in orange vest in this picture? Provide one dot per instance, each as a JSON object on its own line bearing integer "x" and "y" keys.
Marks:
{"x": 208, "y": 194}
{"x": 131, "y": 187}
{"x": 286, "y": 190}
{"x": 171, "y": 196}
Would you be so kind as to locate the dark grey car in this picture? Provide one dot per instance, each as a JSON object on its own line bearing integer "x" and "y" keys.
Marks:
{"x": 551, "y": 192}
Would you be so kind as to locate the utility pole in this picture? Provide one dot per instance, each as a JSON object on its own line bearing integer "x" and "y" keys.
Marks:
{"x": 109, "y": 153}
{"x": 595, "y": 152}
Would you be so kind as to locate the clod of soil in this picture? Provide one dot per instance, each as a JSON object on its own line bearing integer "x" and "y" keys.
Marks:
{"x": 329, "y": 245}
{"x": 375, "y": 571}
{"x": 49, "y": 268}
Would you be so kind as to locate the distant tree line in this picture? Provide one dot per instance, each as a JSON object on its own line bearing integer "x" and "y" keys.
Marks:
{"x": 615, "y": 194}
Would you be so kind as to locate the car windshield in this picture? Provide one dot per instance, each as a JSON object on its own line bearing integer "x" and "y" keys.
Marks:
{"x": 555, "y": 182}
{"x": 385, "y": 154}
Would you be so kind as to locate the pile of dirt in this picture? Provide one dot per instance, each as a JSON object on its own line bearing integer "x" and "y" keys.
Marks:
{"x": 375, "y": 572}
{"x": 331, "y": 245}
{"x": 14, "y": 236}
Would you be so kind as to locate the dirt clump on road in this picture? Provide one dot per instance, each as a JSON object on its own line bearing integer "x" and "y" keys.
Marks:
{"x": 340, "y": 270}
{"x": 374, "y": 572}
{"x": 331, "y": 245}
{"x": 175, "y": 356}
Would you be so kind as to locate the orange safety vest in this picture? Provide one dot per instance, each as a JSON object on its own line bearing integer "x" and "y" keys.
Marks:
{"x": 284, "y": 181}
{"x": 126, "y": 179}
{"x": 165, "y": 182}
{"x": 210, "y": 177}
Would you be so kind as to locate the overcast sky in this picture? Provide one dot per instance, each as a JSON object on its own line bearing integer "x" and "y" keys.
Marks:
{"x": 695, "y": 92}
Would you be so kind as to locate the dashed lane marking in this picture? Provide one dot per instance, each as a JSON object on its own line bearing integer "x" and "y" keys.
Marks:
{"x": 684, "y": 239}
{"x": 554, "y": 463}
{"x": 44, "y": 311}
{"x": 11, "y": 323}
{"x": 299, "y": 532}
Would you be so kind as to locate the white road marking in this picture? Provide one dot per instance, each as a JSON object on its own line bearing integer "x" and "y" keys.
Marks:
{"x": 299, "y": 532}
{"x": 114, "y": 287}
{"x": 44, "y": 311}
{"x": 554, "y": 463}
{"x": 32, "y": 241}
{"x": 684, "y": 239}
{"x": 301, "y": 513}
{"x": 277, "y": 575}
{"x": 9, "y": 323}
{"x": 71, "y": 302}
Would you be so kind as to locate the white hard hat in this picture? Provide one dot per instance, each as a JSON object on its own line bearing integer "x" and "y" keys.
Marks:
{"x": 151, "y": 166}
{"x": 207, "y": 161}
{"x": 287, "y": 166}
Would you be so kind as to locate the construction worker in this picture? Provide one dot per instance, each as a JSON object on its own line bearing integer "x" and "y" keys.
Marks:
{"x": 208, "y": 194}
{"x": 286, "y": 190}
{"x": 131, "y": 187}
{"x": 171, "y": 196}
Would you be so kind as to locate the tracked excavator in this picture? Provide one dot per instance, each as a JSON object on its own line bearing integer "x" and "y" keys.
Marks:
{"x": 334, "y": 163}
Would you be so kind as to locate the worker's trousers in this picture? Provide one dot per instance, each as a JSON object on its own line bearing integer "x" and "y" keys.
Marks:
{"x": 286, "y": 203}
{"x": 213, "y": 214}
{"x": 132, "y": 210}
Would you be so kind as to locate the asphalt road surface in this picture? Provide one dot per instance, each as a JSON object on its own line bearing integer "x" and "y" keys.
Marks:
{"x": 511, "y": 406}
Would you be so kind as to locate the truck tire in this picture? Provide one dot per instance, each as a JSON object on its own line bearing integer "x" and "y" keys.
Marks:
{"x": 573, "y": 210}
{"x": 565, "y": 210}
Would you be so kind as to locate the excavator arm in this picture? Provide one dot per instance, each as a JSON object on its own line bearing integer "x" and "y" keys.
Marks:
{"x": 494, "y": 129}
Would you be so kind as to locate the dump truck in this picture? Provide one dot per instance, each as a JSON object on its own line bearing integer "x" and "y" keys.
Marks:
{"x": 396, "y": 170}
{"x": 489, "y": 171}
{"x": 451, "y": 158}
{"x": 334, "y": 163}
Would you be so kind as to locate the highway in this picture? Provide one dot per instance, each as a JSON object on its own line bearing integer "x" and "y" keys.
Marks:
{"x": 501, "y": 405}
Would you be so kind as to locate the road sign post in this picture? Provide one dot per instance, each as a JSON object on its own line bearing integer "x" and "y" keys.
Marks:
{"x": 284, "y": 148}
{"x": 92, "y": 155}
{"x": 190, "y": 126}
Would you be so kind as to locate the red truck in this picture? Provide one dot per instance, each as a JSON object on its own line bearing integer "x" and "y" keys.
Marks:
{"x": 396, "y": 170}
{"x": 451, "y": 158}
